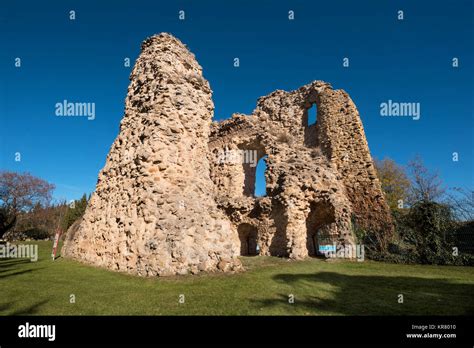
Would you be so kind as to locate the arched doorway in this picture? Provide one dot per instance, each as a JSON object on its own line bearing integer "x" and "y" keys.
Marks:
{"x": 321, "y": 213}
{"x": 248, "y": 239}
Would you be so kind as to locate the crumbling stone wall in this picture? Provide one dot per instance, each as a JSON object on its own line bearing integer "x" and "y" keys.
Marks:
{"x": 169, "y": 202}
{"x": 153, "y": 210}
{"x": 320, "y": 178}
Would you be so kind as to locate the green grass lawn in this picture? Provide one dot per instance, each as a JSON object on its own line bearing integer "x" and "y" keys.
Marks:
{"x": 319, "y": 288}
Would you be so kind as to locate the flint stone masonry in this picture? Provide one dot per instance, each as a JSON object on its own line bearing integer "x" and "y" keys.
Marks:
{"x": 166, "y": 203}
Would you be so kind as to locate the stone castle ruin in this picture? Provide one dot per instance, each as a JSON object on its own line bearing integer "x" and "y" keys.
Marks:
{"x": 170, "y": 199}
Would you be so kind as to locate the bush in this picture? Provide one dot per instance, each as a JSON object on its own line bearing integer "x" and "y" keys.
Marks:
{"x": 424, "y": 234}
{"x": 463, "y": 236}
{"x": 36, "y": 234}
{"x": 427, "y": 227}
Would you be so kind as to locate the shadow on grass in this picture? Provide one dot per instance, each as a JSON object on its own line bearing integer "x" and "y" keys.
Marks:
{"x": 12, "y": 262}
{"x": 6, "y": 308}
{"x": 14, "y": 267}
{"x": 329, "y": 292}
{"x": 11, "y": 267}
{"x": 30, "y": 310}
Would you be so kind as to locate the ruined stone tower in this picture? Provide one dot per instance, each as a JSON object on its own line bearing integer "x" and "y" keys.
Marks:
{"x": 169, "y": 202}
{"x": 153, "y": 211}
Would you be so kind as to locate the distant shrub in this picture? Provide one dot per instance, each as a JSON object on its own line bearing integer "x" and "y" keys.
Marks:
{"x": 427, "y": 227}
{"x": 463, "y": 236}
{"x": 37, "y": 234}
{"x": 425, "y": 234}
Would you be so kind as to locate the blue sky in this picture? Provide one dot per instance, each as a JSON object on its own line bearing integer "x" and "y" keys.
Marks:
{"x": 82, "y": 60}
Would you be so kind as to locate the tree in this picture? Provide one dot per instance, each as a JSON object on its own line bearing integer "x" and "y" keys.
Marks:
{"x": 461, "y": 200}
{"x": 74, "y": 212}
{"x": 426, "y": 186}
{"x": 40, "y": 222}
{"x": 7, "y": 221}
{"x": 20, "y": 193}
{"x": 394, "y": 181}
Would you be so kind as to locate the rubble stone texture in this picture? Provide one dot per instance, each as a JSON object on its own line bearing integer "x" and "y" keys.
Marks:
{"x": 167, "y": 201}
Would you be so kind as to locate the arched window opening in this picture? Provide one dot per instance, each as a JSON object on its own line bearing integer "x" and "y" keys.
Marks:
{"x": 312, "y": 115}
{"x": 260, "y": 180}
